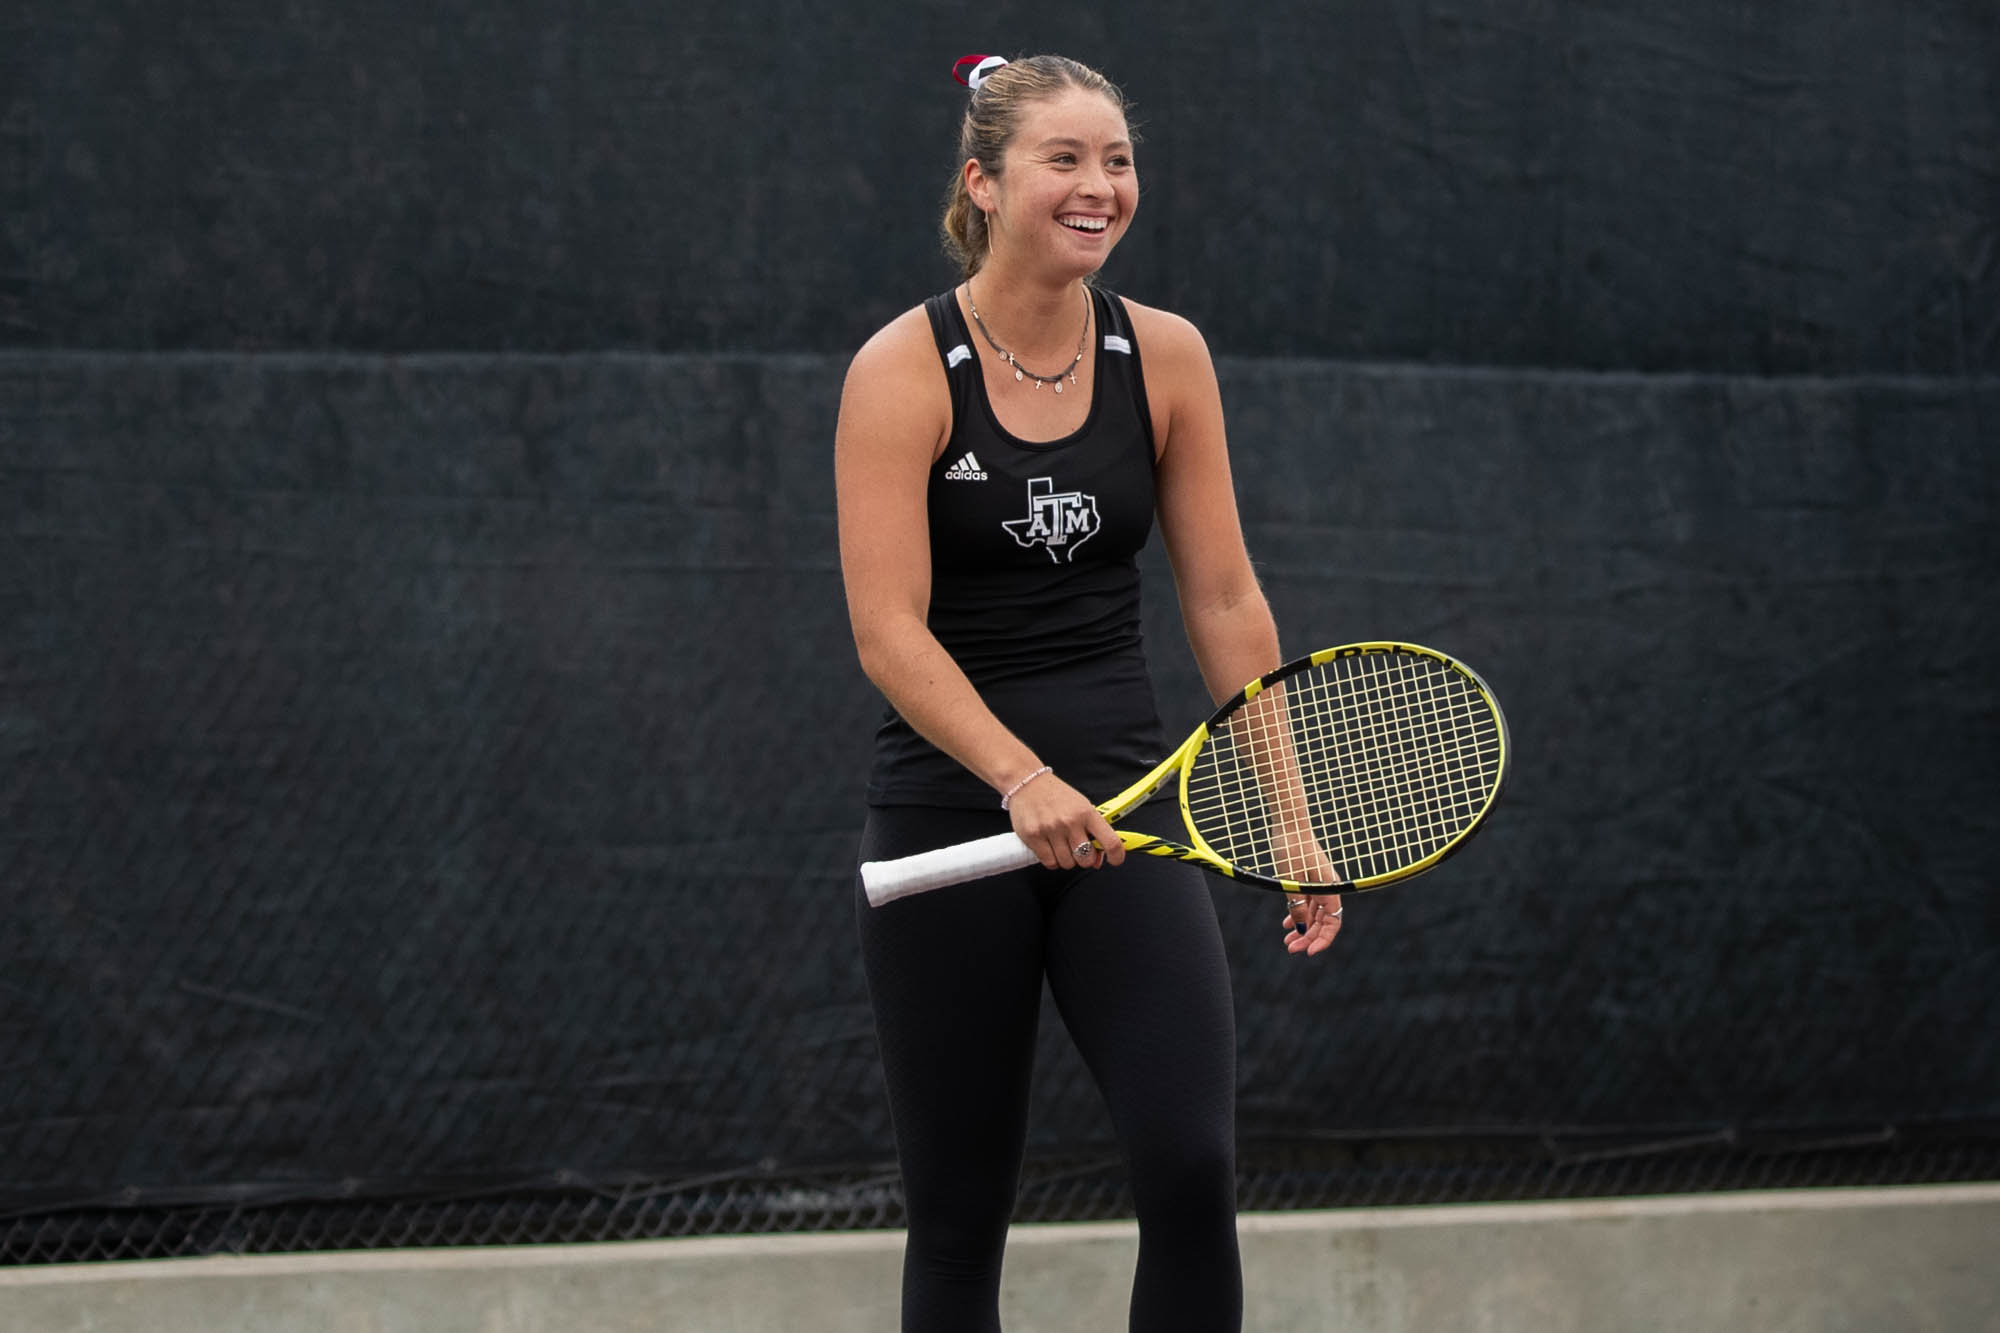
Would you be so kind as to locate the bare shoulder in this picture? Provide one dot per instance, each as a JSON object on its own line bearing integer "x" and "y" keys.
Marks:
{"x": 1167, "y": 339}
{"x": 902, "y": 346}
{"x": 896, "y": 391}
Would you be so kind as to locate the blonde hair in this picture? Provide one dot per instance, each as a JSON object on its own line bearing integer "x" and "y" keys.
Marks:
{"x": 991, "y": 118}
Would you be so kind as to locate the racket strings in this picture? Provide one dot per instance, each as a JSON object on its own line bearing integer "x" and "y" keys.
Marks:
{"x": 1350, "y": 769}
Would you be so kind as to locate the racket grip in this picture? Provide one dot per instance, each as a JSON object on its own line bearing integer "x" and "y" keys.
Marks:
{"x": 886, "y": 881}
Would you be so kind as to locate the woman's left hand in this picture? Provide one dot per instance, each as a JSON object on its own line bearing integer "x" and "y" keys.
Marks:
{"x": 1311, "y": 921}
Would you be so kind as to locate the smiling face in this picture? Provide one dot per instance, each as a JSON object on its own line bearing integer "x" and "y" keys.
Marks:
{"x": 1067, "y": 188}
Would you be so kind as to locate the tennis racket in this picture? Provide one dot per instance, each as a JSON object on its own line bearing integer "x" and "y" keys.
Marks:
{"x": 1347, "y": 770}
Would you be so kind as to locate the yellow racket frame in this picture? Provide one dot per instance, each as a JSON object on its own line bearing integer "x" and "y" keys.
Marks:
{"x": 1181, "y": 762}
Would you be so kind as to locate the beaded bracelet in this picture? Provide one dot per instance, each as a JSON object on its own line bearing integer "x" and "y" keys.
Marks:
{"x": 1022, "y": 783}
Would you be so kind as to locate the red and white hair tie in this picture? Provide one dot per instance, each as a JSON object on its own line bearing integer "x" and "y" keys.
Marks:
{"x": 974, "y": 70}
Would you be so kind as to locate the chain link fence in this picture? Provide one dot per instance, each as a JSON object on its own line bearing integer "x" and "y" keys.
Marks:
{"x": 1054, "y": 1188}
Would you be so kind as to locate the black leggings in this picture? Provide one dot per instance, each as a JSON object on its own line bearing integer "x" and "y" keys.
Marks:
{"x": 1135, "y": 961}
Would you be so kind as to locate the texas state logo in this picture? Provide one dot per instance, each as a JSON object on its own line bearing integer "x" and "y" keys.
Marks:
{"x": 1057, "y": 521}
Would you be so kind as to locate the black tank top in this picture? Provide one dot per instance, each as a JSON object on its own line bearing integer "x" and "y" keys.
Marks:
{"x": 1035, "y": 579}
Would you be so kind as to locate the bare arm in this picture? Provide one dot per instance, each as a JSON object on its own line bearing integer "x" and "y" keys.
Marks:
{"x": 895, "y": 417}
{"x": 1229, "y": 622}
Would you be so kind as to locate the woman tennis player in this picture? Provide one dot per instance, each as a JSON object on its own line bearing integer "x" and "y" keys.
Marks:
{"x": 1002, "y": 453}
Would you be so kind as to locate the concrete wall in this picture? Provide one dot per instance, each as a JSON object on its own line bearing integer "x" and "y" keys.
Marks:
{"x": 1919, "y": 1258}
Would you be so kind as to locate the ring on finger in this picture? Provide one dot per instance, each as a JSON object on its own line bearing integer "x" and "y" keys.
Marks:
{"x": 1083, "y": 849}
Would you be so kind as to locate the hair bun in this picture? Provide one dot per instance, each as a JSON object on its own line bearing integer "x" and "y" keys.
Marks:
{"x": 973, "y": 70}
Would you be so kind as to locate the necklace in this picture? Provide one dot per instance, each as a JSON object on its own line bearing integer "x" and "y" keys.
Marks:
{"x": 1021, "y": 372}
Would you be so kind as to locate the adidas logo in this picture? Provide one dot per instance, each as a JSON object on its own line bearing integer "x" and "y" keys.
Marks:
{"x": 965, "y": 469}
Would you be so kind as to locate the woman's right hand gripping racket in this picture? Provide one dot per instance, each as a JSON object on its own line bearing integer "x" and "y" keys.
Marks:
{"x": 1347, "y": 770}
